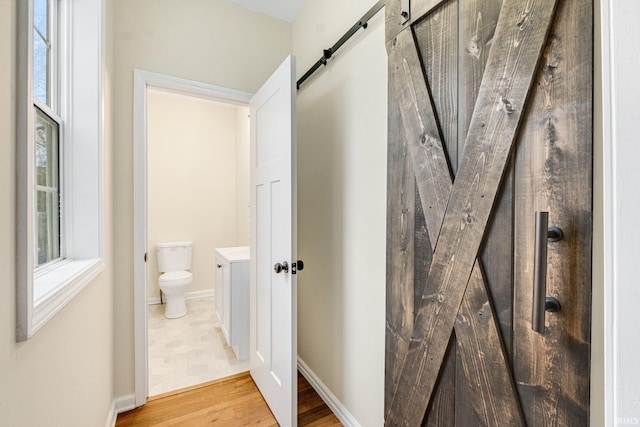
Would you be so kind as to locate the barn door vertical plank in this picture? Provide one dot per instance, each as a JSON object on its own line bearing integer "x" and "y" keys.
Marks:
{"x": 436, "y": 37}
{"x": 400, "y": 247}
{"x": 441, "y": 409}
{"x": 442, "y": 406}
{"x": 554, "y": 173}
{"x": 478, "y": 19}
{"x": 423, "y": 252}
{"x": 520, "y": 35}
{"x": 477, "y": 24}
{"x": 437, "y": 40}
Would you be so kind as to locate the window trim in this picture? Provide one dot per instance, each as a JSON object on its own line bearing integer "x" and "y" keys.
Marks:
{"x": 41, "y": 295}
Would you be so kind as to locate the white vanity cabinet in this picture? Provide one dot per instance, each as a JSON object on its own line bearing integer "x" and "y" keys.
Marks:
{"x": 232, "y": 297}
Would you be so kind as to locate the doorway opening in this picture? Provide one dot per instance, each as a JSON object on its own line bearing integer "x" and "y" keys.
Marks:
{"x": 197, "y": 191}
{"x": 191, "y": 162}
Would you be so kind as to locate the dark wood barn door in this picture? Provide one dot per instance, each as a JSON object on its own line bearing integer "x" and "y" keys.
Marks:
{"x": 490, "y": 121}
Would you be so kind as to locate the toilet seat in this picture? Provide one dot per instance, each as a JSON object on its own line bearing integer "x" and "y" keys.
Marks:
{"x": 175, "y": 278}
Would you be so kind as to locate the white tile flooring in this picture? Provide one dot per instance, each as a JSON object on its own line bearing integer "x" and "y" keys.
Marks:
{"x": 189, "y": 350}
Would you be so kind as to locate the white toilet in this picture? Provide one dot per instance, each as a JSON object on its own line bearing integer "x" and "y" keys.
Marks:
{"x": 174, "y": 259}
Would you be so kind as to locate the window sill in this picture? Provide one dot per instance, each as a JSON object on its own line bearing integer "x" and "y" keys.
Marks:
{"x": 53, "y": 289}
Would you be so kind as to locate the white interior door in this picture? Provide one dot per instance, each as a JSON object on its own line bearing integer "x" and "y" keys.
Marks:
{"x": 273, "y": 238}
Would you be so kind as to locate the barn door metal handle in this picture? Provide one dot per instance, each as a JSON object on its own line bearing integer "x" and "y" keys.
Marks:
{"x": 542, "y": 302}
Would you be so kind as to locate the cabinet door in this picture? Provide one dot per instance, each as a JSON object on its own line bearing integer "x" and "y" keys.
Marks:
{"x": 219, "y": 295}
{"x": 239, "y": 306}
{"x": 226, "y": 301}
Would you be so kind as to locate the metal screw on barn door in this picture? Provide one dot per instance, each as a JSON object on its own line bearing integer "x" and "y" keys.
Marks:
{"x": 542, "y": 302}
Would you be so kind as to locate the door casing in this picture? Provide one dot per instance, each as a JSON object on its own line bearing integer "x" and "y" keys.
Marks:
{"x": 142, "y": 81}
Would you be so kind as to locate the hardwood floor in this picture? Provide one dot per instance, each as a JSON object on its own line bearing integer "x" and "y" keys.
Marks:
{"x": 230, "y": 402}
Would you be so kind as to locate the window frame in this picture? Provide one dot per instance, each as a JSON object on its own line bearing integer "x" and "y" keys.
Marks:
{"x": 40, "y": 269}
{"x": 57, "y": 37}
{"x": 54, "y": 26}
{"x": 78, "y": 104}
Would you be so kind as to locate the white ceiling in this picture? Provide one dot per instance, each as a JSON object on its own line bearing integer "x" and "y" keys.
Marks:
{"x": 286, "y": 10}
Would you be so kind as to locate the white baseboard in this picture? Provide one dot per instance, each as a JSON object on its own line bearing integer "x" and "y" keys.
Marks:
{"x": 111, "y": 416}
{"x": 189, "y": 295}
{"x": 119, "y": 405}
{"x": 329, "y": 398}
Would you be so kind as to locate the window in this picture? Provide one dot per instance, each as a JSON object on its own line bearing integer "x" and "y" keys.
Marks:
{"x": 45, "y": 32}
{"x": 47, "y": 224}
{"x": 47, "y": 189}
{"x": 59, "y": 155}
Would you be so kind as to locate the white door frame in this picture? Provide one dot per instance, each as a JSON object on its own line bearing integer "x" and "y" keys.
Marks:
{"x": 621, "y": 199}
{"x": 142, "y": 80}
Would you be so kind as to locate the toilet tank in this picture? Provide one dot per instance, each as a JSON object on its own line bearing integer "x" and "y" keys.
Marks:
{"x": 174, "y": 256}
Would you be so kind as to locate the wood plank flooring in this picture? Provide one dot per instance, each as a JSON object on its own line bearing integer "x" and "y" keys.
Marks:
{"x": 230, "y": 402}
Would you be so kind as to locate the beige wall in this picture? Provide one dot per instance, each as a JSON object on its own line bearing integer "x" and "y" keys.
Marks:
{"x": 63, "y": 376}
{"x": 192, "y": 150}
{"x": 211, "y": 41}
{"x": 243, "y": 194}
{"x": 342, "y": 134}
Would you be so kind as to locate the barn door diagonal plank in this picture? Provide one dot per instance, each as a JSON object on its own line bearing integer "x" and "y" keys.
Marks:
{"x": 400, "y": 255}
{"x": 422, "y": 134}
{"x": 408, "y": 251}
{"x": 494, "y": 397}
{"x": 520, "y": 37}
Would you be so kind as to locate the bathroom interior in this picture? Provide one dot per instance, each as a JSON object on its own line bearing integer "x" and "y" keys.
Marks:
{"x": 198, "y": 203}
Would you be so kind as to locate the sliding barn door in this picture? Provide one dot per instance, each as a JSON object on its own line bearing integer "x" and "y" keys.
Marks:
{"x": 490, "y": 123}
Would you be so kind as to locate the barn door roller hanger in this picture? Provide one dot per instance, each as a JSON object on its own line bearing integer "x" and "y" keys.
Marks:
{"x": 405, "y": 11}
{"x": 328, "y": 53}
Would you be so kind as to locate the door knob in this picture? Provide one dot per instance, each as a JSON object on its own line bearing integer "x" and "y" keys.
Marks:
{"x": 542, "y": 302}
{"x": 279, "y": 268}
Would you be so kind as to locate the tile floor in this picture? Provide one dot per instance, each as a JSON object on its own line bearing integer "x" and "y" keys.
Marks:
{"x": 189, "y": 350}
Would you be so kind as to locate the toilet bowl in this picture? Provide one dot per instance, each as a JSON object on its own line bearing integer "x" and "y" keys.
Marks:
{"x": 174, "y": 286}
{"x": 174, "y": 259}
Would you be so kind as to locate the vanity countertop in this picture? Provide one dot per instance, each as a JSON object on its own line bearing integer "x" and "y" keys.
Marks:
{"x": 235, "y": 254}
